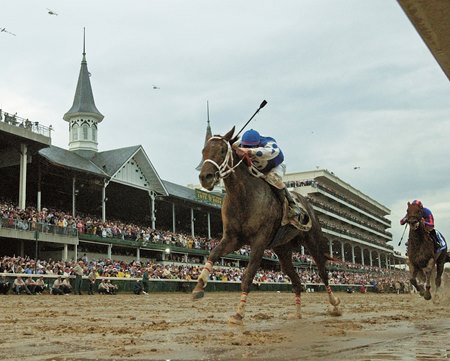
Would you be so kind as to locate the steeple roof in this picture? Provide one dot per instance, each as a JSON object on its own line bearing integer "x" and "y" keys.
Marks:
{"x": 208, "y": 135}
{"x": 83, "y": 101}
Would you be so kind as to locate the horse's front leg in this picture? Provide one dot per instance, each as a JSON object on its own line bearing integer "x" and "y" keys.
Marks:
{"x": 427, "y": 271}
{"x": 224, "y": 247}
{"x": 247, "y": 280}
{"x": 413, "y": 279}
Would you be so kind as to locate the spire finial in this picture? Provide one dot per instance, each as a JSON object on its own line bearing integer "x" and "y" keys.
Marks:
{"x": 84, "y": 41}
{"x": 207, "y": 110}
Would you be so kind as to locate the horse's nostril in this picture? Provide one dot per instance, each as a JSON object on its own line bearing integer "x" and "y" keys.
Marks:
{"x": 206, "y": 177}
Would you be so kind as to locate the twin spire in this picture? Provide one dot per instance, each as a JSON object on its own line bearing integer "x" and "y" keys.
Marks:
{"x": 83, "y": 116}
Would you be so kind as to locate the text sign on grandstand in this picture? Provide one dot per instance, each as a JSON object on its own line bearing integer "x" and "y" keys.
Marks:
{"x": 209, "y": 198}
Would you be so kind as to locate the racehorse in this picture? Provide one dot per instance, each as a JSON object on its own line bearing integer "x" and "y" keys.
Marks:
{"x": 421, "y": 252}
{"x": 252, "y": 215}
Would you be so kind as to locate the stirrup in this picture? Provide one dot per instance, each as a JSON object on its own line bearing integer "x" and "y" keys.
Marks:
{"x": 294, "y": 211}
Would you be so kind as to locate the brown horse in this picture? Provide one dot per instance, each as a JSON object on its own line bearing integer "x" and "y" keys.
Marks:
{"x": 421, "y": 252}
{"x": 251, "y": 215}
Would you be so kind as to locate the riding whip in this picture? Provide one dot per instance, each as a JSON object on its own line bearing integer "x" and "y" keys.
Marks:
{"x": 401, "y": 239}
{"x": 262, "y": 105}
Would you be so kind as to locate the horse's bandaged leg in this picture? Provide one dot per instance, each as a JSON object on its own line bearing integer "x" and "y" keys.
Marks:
{"x": 298, "y": 305}
{"x": 333, "y": 299}
{"x": 204, "y": 275}
{"x": 241, "y": 306}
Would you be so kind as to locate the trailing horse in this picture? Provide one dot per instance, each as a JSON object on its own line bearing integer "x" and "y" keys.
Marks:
{"x": 421, "y": 252}
{"x": 252, "y": 215}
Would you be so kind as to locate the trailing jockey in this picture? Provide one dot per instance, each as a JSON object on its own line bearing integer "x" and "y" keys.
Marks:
{"x": 428, "y": 220}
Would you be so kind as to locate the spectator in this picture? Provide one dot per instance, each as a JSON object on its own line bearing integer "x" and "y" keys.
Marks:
{"x": 57, "y": 287}
{"x": 19, "y": 286}
{"x": 92, "y": 277}
{"x": 78, "y": 270}
{"x": 145, "y": 282}
{"x": 103, "y": 288}
{"x": 5, "y": 285}
{"x": 66, "y": 286}
{"x": 31, "y": 284}
{"x": 137, "y": 289}
{"x": 40, "y": 285}
{"x": 112, "y": 288}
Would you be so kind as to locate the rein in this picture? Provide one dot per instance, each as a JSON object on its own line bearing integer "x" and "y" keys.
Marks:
{"x": 224, "y": 169}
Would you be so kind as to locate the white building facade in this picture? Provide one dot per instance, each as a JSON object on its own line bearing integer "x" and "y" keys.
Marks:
{"x": 355, "y": 225}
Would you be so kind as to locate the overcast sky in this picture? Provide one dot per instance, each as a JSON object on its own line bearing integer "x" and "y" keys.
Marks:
{"x": 348, "y": 84}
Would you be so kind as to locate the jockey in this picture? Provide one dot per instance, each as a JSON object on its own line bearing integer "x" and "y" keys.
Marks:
{"x": 428, "y": 221}
{"x": 268, "y": 158}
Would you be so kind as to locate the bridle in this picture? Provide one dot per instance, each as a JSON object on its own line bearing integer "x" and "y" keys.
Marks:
{"x": 227, "y": 166}
{"x": 414, "y": 221}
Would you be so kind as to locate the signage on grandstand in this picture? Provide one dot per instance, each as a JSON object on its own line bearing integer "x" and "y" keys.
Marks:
{"x": 209, "y": 198}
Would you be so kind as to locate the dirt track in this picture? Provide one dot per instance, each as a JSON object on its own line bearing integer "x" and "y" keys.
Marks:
{"x": 170, "y": 326}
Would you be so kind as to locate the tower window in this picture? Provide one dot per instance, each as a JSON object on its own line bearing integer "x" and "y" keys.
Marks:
{"x": 85, "y": 132}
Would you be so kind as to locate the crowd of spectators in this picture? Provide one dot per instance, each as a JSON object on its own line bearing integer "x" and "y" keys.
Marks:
{"x": 181, "y": 268}
{"x": 106, "y": 268}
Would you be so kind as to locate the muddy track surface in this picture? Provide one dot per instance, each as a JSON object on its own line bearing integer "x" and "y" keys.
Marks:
{"x": 170, "y": 326}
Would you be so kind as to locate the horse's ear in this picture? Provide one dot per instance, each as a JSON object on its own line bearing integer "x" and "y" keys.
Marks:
{"x": 229, "y": 135}
{"x": 409, "y": 204}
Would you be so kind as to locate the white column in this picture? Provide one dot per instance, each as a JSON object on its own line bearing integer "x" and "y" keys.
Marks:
{"x": 370, "y": 258}
{"x": 38, "y": 201}
{"x": 104, "y": 202}
{"x": 379, "y": 259}
{"x": 209, "y": 225}
{"x": 65, "y": 254}
{"x": 192, "y": 223}
{"x": 173, "y": 218}
{"x": 353, "y": 253}
{"x": 302, "y": 250}
{"x": 138, "y": 254}
{"x": 75, "y": 256}
{"x": 23, "y": 176}
{"x": 74, "y": 197}
{"x": 110, "y": 250}
{"x": 153, "y": 210}
{"x": 343, "y": 251}
{"x": 362, "y": 256}
{"x": 330, "y": 244}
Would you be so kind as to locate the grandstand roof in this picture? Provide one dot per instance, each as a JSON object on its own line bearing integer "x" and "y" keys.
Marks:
{"x": 108, "y": 164}
{"x": 175, "y": 190}
{"x": 71, "y": 160}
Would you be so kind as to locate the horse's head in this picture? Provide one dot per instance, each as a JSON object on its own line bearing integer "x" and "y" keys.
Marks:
{"x": 217, "y": 160}
{"x": 414, "y": 215}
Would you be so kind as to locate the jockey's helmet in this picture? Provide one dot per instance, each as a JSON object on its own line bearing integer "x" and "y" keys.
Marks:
{"x": 250, "y": 138}
{"x": 419, "y": 203}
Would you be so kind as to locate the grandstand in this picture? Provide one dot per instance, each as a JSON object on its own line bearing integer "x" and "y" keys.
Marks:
{"x": 128, "y": 212}
{"x": 355, "y": 224}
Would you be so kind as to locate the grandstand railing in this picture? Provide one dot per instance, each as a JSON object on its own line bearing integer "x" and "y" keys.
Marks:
{"x": 42, "y": 227}
{"x": 19, "y": 122}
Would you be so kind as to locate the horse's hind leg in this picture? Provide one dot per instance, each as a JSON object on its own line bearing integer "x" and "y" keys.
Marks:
{"x": 438, "y": 280}
{"x": 224, "y": 247}
{"x": 285, "y": 258}
{"x": 247, "y": 280}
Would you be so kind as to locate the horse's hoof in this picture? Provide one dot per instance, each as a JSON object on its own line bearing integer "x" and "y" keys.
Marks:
{"x": 334, "y": 311}
{"x": 236, "y": 320}
{"x": 427, "y": 296}
{"x": 336, "y": 302}
{"x": 422, "y": 293}
{"x": 196, "y": 295}
{"x": 295, "y": 316}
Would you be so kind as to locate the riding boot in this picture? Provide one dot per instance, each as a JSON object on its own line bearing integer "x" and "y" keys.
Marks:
{"x": 435, "y": 239}
{"x": 294, "y": 210}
